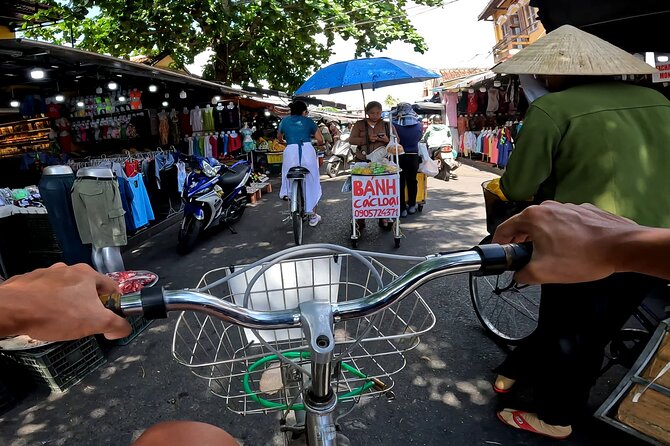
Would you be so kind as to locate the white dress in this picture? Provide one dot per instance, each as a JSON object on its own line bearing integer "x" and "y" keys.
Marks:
{"x": 312, "y": 181}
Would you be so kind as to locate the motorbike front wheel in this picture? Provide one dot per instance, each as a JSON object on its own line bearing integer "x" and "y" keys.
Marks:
{"x": 332, "y": 169}
{"x": 188, "y": 236}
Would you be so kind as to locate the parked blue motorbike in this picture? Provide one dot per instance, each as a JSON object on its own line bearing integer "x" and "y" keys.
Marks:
{"x": 214, "y": 194}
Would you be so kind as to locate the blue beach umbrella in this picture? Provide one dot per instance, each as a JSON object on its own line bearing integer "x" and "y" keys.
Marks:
{"x": 368, "y": 73}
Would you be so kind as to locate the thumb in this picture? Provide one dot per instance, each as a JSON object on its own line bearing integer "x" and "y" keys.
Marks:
{"x": 116, "y": 327}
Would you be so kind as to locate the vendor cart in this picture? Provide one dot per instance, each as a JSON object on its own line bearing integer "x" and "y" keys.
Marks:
{"x": 375, "y": 196}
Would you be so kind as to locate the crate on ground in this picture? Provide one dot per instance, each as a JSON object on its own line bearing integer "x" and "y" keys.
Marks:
{"x": 275, "y": 158}
{"x": 61, "y": 365}
{"x": 139, "y": 324}
{"x": 13, "y": 385}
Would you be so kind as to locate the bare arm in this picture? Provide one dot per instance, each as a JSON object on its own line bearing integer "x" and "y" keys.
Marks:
{"x": 59, "y": 303}
{"x": 319, "y": 137}
{"x": 582, "y": 243}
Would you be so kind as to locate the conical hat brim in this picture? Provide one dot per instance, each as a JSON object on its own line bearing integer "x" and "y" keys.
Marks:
{"x": 569, "y": 51}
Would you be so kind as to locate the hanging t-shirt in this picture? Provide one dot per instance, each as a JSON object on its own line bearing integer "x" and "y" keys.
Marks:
{"x": 472, "y": 103}
{"x": 213, "y": 142}
{"x": 493, "y": 100}
{"x": 185, "y": 123}
{"x": 452, "y": 109}
{"x": 462, "y": 103}
{"x": 181, "y": 176}
{"x": 141, "y": 206}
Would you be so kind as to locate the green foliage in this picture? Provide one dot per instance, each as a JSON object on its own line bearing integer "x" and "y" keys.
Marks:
{"x": 253, "y": 40}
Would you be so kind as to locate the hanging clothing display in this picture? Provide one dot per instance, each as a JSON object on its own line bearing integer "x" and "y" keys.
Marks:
{"x": 463, "y": 125}
{"x": 451, "y": 102}
{"x": 462, "y": 103}
{"x": 493, "y": 103}
{"x": 185, "y": 122}
{"x": 472, "y": 103}
{"x": 248, "y": 143}
{"x": 196, "y": 119}
{"x": 208, "y": 119}
{"x": 174, "y": 127}
{"x": 98, "y": 211}
{"x": 141, "y": 206}
{"x": 163, "y": 128}
{"x": 181, "y": 176}
{"x": 208, "y": 146}
{"x": 127, "y": 197}
{"x": 213, "y": 142}
{"x": 55, "y": 191}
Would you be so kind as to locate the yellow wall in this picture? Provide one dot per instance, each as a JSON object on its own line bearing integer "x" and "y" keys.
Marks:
{"x": 6, "y": 33}
{"x": 539, "y": 32}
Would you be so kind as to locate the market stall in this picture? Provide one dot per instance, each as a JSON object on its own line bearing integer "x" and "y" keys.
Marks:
{"x": 65, "y": 107}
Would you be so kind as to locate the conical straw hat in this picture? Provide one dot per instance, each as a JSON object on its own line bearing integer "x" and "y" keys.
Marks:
{"x": 573, "y": 52}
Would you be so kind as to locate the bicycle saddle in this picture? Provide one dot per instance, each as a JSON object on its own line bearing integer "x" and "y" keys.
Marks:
{"x": 297, "y": 172}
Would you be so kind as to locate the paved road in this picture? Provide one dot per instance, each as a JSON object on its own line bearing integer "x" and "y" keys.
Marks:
{"x": 443, "y": 395}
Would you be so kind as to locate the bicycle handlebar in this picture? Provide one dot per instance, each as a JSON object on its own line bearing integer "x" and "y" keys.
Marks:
{"x": 155, "y": 303}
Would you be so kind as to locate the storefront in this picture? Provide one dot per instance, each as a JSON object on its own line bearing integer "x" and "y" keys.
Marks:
{"x": 65, "y": 107}
{"x": 485, "y": 111}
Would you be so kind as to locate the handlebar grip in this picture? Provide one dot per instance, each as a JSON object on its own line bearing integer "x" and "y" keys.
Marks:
{"x": 496, "y": 259}
{"x": 152, "y": 299}
{"x": 112, "y": 302}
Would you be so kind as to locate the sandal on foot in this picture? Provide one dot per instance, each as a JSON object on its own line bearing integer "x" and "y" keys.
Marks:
{"x": 530, "y": 422}
{"x": 503, "y": 384}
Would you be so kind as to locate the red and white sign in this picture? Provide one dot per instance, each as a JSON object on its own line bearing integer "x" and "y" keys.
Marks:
{"x": 663, "y": 67}
{"x": 375, "y": 196}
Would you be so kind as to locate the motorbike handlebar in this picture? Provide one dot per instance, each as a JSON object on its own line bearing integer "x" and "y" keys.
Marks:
{"x": 155, "y": 303}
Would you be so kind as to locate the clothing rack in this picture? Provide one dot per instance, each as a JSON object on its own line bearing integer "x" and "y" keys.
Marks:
{"x": 116, "y": 158}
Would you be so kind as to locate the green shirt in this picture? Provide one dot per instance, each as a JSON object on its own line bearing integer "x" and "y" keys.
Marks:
{"x": 607, "y": 144}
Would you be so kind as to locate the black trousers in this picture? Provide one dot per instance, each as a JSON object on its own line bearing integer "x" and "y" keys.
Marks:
{"x": 55, "y": 191}
{"x": 563, "y": 357}
{"x": 409, "y": 163}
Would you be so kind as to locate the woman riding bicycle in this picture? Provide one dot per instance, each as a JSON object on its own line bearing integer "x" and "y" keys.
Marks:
{"x": 298, "y": 131}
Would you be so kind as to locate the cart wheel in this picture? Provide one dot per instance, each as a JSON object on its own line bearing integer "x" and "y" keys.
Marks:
{"x": 420, "y": 208}
{"x": 397, "y": 242}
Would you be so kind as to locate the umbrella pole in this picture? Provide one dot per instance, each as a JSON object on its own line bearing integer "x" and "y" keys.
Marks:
{"x": 363, "y": 92}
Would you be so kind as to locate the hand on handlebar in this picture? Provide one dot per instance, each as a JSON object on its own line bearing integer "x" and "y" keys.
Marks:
{"x": 59, "y": 303}
{"x": 571, "y": 243}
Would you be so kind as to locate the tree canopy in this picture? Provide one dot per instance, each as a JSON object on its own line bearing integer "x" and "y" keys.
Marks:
{"x": 279, "y": 41}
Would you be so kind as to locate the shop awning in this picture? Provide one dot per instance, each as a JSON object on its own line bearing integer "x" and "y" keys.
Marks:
{"x": 636, "y": 26}
{"x": 18, "y": 56}
{"x": 468, "y": 81}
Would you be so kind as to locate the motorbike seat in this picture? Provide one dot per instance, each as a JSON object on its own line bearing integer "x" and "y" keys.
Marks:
{"x": 297, "y": 173}
{"x": 231, "y": 178}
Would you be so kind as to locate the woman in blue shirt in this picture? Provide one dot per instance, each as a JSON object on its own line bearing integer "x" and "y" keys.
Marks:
{"x": 298, "y": 131}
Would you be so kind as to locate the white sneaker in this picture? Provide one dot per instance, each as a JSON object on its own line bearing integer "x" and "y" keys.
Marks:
{"x": 314, "y": 219}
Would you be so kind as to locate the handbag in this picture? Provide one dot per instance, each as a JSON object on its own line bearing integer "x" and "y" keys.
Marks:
{"x": 429, "y": 167}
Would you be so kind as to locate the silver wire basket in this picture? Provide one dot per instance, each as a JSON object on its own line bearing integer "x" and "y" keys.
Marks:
{"x": 252, "y": 379}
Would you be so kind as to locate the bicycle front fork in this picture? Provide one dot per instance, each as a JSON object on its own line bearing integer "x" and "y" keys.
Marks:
{"x": 320, "y": 399}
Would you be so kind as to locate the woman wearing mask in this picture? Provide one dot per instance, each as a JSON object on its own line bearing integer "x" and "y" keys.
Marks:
{"x": 410, "y": 130}
{"x": 297, "y": 130}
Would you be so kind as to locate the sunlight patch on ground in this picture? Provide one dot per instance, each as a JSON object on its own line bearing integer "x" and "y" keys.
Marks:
{"x": 28, "y": 429}
{"x": 129, "y": 359}
{"x": 160, "y": 329}
{"x": 98, "y": 413}
{"x": 216, "y": 251}
{"x": 451, "y": 400}
{"x": 476, "y": 397}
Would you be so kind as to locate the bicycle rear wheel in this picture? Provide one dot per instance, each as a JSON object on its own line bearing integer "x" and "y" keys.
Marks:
{"x": 508, "y": 311}
{"x": 297, "y": 216}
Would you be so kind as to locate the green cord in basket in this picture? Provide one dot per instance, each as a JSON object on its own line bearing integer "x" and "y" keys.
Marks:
{"x": 302, "y": 355}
